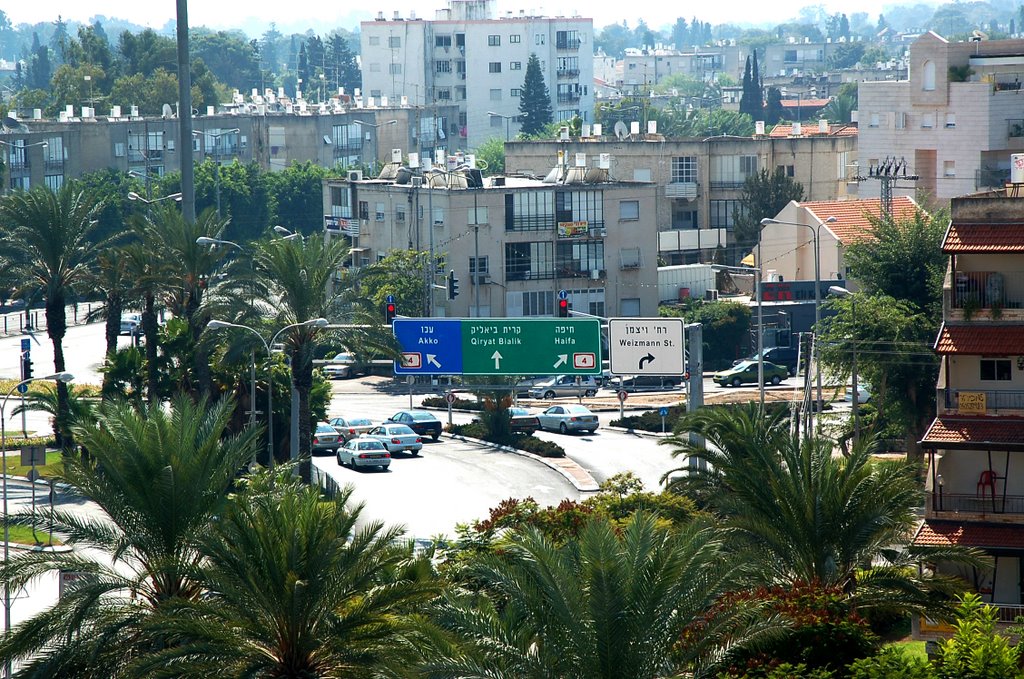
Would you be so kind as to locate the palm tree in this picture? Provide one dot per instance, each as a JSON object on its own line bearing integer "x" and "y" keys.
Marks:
{"x": 144, "y": 270}
{"x": 802, "y": 515}
{"x": 48, "y": 240}
{"x": 112, "y": 279}
{"x": 160, "y": 477}
{"x": 606, "y": 605}
{"x": 295, "y": 589}
{"x": 293, "y": 276}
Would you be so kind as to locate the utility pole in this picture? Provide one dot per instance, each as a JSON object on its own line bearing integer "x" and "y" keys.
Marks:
{"x": 188, "y": 186}
{"x": 888, "y": 172}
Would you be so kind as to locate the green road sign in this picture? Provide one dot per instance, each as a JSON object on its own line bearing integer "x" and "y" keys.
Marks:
{"x": 542, "y": 346}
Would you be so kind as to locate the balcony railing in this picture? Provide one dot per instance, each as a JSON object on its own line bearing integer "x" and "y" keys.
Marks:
{"x": 568, "y": 72}
{"x": 531, "y": 223}
{"x": 570, "y": 98}
{"x": 974, "y": 290}
{"x": 987, "y": 504}
{"x": 995, "y": 401}
{"x": 990, "y": 178}
{"x": 568, "y": 44}
{"x": 518, "y": 275}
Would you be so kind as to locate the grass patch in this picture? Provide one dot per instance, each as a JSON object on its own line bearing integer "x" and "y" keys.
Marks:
{"x": 54, "y": 464}
{"x": 911, "y": 648}
{"x": 45, "y": 386}
{"x": 22, "y": 535}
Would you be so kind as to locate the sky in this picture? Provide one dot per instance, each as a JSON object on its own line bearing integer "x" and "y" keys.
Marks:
{"x": 323, "y": 15}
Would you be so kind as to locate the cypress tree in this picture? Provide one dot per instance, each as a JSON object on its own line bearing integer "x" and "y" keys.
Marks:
{"x": 535, "y": 100}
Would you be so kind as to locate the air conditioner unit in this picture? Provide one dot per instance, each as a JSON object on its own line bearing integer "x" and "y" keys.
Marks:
{"x": 417, "y": 182}
{"x": 355, "y": 175}
{"x": 711, "y": 295}
{"x": 596, "y": 274}
{"x": 482, "y": 278}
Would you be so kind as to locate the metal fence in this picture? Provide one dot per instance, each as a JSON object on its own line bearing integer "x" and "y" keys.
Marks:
{"x": 34, "y": 320}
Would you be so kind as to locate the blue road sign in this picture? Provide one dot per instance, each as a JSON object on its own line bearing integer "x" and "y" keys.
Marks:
{"x": 663, "y": 411}
{"x": 430, "y": 346}
{"x": 562, "y": 294}
{"x": 390, "y": 299}
{"x": 26, "y": 345}
{"x": 22, "y": 388}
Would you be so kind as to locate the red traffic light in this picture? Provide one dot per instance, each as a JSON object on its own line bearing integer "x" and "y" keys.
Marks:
{"x": 390, "y": 311}
{"x": 563, "y": 308}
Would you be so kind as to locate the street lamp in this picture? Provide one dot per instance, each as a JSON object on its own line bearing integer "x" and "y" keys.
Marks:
{"x": 287, "y": 234}
{"x": 843, "y": 292}
{"x": 314, "y": 322}
{"x": 363, "y": 123}
{"x": 507, "y": 120}
{"x": 216, "y": 156}
{"x": 816, "y": 231}
{"x": 134, "y": 196}
{"x": 64, "y": 377}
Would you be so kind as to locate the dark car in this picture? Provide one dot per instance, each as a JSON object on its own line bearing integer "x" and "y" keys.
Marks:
{"x": 522, "y": 421}
{"x": 785, "y": 356}
{"x": 420, "y": 421}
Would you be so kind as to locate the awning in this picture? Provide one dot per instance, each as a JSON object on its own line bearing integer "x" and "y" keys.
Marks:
{"x": 984, "y": 238}
{"x": 976, "y": 433}
{"x": 981, "y": 339}
{"x": 981, "y": 535}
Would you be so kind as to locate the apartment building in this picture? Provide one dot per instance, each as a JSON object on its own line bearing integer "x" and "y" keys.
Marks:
{"x": 39, "y": 151}
{"x": 470, "y": 57}
{"x": 975, "y": 490}
{"x": 513, "y": 242}
{"x": 956, "y": 118}
{"x": 700, "y": 181}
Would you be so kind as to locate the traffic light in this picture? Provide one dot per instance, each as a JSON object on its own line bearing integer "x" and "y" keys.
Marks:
{"x": 563, "y": 308}
{"x": 26, "y": 366}
{"x": 453, "y": 285}
{"x": 389, "y": 312}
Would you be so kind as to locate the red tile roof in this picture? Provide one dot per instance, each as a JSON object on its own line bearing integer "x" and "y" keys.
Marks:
{"x": 810, "y": 129}
{"x": 947, "y": 533}
{"x": 805, "y": 103}
{"x": 981, "y": 339}
{"x": 984, "y": 238}
{"x": 975, "y": 432}
{"x": 852, "y": 222}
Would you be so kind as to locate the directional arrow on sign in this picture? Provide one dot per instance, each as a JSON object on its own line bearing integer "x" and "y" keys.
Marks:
{"x": 562, "y": 359}
{"x": 649, "y": 358}
{"x": 432, "y": 360}
{"x": 497, "y": 360}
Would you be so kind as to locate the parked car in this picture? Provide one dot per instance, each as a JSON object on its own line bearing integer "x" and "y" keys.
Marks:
{"x": 341, "y": 367}
{"x": 397, "y": 438}
{"x": 645, "y": 382}
{"x": 565, "y": 385}
{"x": 785, "y": 356}
{"x": 746, "y": 372}
{"x": 420, "y": 421}
{"x": 364, "y": 452}
{"x": 524, "y": 385}
{"x": 351, "y": 427}
{"x": 523, "y": 421}
{"x": 325, "y": 437}
{"x": 130, "y": 324}
{"x": 570, "y": 417}
{"x": 863, "y": 393}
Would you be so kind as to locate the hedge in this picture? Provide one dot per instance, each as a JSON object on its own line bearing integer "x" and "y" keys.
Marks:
{"x": 529, "y": 443}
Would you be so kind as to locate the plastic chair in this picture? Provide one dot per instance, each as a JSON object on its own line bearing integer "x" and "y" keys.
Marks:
{"x": 988, "y": 480}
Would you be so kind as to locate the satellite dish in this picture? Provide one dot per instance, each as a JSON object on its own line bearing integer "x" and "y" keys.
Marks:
{"x": 167, "y": 111}
{"x": 621, "y": 131}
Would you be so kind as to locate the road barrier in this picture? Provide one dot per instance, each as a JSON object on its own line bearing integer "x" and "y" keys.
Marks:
{"x": 34, "y": 320}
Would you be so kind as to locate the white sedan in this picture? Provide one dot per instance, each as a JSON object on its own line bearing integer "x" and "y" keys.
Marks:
{"x": 566, "y": 418}
{"x": 397, "y": 438}
{"x": 364, "y": 452}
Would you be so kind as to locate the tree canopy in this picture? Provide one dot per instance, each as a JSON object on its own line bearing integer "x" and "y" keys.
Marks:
{"x": 535, "y": 100}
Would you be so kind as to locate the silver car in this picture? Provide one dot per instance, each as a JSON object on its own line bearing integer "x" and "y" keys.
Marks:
{"x": 351, "y": 427}
{"x": 397, "y": 438}
{"x": 566, "y": 418}
{"x": 364, "y": 452}
{"x": 565, "y": 385}
{"x": 325, "y": 437}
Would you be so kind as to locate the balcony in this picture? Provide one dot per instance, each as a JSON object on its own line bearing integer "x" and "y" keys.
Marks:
{"x": 521, "y": 275}
{"x": 567, "y": 44}
{"x": 980, "y": 507}
{"x": 996, "y": 402}
{"x": 680, "y": 240}
{"x": 994, "y": 295}
{"x": 568, "y": 98}
{"x": 568, "y": 73}
{"x": 686, "y": 190}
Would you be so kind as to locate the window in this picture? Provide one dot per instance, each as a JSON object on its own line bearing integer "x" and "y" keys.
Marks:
{"x": 395, "y": 42}
{"x": 900, "y": 122}
{"x": 580, "y": 206}
{"x": 374, "y": 68}
{"x": 928, "y": 81}
{"x": 53, "y": 181}
{"x": 567, "y": 40}
{"x": 684, "y": 169}
{"x": 539, "y": 303}
{"x": 539, "y": 38}
{"x": 629, "y": 258}
{"x": 514, "y": 92}
{"x": 495, "y": 95}
{"x": 378, "y": 212}
{"x": 496, "y": 121}
{"x": 629, "y": 210}
{"x": 438, "y": 216}
{"x": 684, "y": 215}
{"x": 340, "y": 205}
{"x": 579, "y": 258}
{"x": 346, "y": 138}
{"x": 364, "y": 210}
{"x": 788, "y": 170}
{"x": 119, "y": 149}
{"x": 374, "y": 40}
{"x": 568, "y": 66}
{"x": 629, "y": 306}
{"x": 529, "y": 210}
{"x": 950, "y": 120}
{"x": 514, "y": 39}
{"x": 995, "y": 369}
{"x": 400, "y": 213}
{"x": 529, "y": 261}
{"x": 20, "y": 183}
{"x": 723, "y": 213}
{"x": 479, "y": 265}
{"x": 949, "y": 168}
{"x": 928, "y": 120}
{"x": 842, "y": 160}
{"x": 442, "y": 41}
{"x": 479, "y": 218}
{"x": 494, "y": 41}
{"x": 494, "y": 67}
{"x": 54, "y": 153}
{"x": 874, "y": 120}
{"x": 444, "y": 93}
{"x": 515, "y": 66}
{"x": 395, "y": 69}
{"x": 443, "y": 66}
{"x": 642, "y": 174}
{"x": 728, "y": 171}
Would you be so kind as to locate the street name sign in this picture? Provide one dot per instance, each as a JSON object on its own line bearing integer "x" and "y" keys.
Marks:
{"x": 499, "y": 346}
{"x": 646, "y": 346}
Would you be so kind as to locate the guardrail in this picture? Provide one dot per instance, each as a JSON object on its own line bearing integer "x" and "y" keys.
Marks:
{"x": 34, "y": 320}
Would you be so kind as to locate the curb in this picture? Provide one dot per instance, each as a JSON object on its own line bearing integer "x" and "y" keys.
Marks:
{"x": 640, "y": 432}
{"x": 575, "y": 474}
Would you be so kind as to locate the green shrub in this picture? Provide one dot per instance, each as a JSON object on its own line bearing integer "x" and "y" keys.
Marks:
{"x": 651, "y": 420}
{"x": 891, "y": 663}
{"x": 530, "y": 444}
{"x": 459, "y": 404}
{"x": 976, "y": 651}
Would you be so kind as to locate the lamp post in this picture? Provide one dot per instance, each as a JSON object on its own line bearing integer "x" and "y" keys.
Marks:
{"x": 314, "y": 322}
{"x": 843, "y": 292}
{"x": 816, "y": 233}
{"x": 64, "y": 377}
{"x": 363, "y": 123}
{"x": 287, "y": 234}
{"x": 216, "y": 156}
{"x": 508, "y": 120}
{"x": 134, "y": 196}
